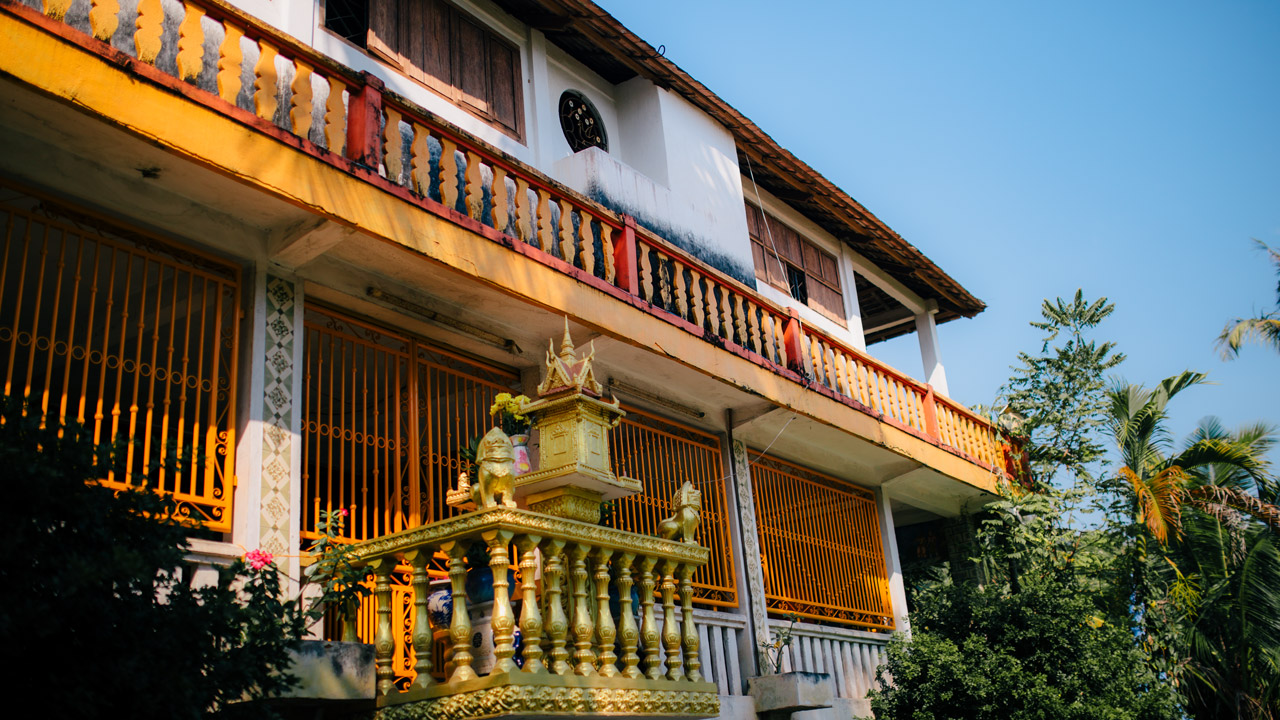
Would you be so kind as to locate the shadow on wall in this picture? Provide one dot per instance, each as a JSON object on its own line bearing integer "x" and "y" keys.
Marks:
{"x": 690, "y": 243}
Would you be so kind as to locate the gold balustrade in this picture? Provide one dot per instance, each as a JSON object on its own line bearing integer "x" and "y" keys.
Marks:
{"x": 576, "y": 655}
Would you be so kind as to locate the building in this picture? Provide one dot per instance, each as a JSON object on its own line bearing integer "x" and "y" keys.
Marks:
{"x": 312, "y": 241}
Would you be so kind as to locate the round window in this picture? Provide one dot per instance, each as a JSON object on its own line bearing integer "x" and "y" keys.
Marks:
{"x": 581, "y": 123}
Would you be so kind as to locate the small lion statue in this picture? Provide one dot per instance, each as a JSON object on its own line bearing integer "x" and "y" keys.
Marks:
{"x": 495, "y": 479}
{"x": 684, "y": 524}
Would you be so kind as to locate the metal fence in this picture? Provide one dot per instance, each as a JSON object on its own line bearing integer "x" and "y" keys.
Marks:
{"x": 821, "y": 546}
{"x": 131, "y": 337}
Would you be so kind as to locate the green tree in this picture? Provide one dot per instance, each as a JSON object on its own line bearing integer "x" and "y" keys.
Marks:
{"x": 95, "y": 611}
{"x": 1264, "y": 329}
{"x": 1030, "y": 643}
{"x": 1055, "y": 398}
{"x": 1199, "y": 567}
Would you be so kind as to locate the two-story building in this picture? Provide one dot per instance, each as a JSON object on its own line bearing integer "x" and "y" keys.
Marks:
{"x": 311, "y": 240}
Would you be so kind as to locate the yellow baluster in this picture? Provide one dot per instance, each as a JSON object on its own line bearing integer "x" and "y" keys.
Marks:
{"x": 384, "y": 644}
{"x": 524, "y": 223}
{"x": 230, "y": 55}
{"x": 713, "y": 311}
{"x": 150, "y": 25}
{"x": 475, "y": 186}
{"x": 586, "y": 242}
{"x": 568, "y": 246}
{"x": 422, "y": 645}
{"x": 335, "y": 136}
{"x": 191, "y": 43}
{"x": 606, "y": 631}
{"x": 264, "y": 84}
{"x": 501, "y": 218}
{"x": 57, "y": 9}
{"x": 692, "y": 663}
{"x": 583, "y": 628}
{"x": 393, "y": 147}
{"x": 648, "y": 623}
{"x": 670, "y": 628}
{"x": 546, "y": 231}
{"x": 606, "y": 245}
{"x": 530, "y": 615}
{"x": 420, "y": 160}
{"x": 460, "y": 628}
{"x": 448, "y": 173}
{"x": 628, "y": 634}
{"x": 104, "y": 18}
{"x": 557, "y": 623}
{"x": 682, "y": 301}
{"x": 695, "y": 293}
{"x": 300, "y": 105}
{"x": 646, "y": 274}
{"x": 503, "y": 620}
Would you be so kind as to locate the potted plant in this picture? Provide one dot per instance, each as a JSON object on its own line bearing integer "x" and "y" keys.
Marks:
{"x": 507, "y": 410}
{"x": 778, "y": 692}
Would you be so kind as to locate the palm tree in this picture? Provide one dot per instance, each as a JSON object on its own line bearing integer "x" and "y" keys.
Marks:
{"x": 1264, "y": 329}
{"x": 1207, "y": 592}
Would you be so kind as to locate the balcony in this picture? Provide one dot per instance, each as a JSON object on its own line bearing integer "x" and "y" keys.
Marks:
{"x": 219, "y": 60}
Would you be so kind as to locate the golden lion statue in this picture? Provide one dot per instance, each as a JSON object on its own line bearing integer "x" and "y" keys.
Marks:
{"x": 495, "y": 480}
{"x": 684, "y": 524}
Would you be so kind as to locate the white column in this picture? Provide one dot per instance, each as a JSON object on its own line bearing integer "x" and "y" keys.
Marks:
{"x": 930, "y": 354}
{"x": 852, "y": 309}
{"x": 245, "y": 528}
{"x": 892, "y": 563}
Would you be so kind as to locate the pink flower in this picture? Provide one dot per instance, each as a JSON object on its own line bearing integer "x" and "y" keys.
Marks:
{"x": 258, "y": 559}
{"x": 342, "y": 512}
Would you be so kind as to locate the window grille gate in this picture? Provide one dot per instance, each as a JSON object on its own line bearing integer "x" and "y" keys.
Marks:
{"x": 821, "y": 547}
{"x": 130, "y": 337}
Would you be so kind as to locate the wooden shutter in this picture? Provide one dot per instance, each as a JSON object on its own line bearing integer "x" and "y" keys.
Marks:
{"x": 504, "y": 83}
{"x": 384, "y": 23}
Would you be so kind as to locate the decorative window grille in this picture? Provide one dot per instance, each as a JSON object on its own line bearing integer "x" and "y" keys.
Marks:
{"x": 663, "y": 454}
{"x": 129, "y": 336}
{"x": 821, "y": 546}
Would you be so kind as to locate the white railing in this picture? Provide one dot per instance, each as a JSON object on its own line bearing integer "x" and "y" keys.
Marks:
{"x": 850, "y": 657}
{"x": 720, "y": 635}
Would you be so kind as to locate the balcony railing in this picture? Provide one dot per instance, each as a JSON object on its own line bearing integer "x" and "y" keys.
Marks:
{"x": 575, "y": 654}
{"x": 347, "y": 119}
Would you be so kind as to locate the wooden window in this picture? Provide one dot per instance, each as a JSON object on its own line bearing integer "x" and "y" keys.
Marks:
{"x": 451, "y": 53}
{"x": 808, "y": 273}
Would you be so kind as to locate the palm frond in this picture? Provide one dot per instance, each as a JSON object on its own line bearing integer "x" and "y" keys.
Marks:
{"x": 1216, "y": 501}
{"x": 1159, "y": 500}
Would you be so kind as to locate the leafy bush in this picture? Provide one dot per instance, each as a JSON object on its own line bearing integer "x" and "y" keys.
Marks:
{"x": 95, "y": 615}
{"x": 1039, "y": 653}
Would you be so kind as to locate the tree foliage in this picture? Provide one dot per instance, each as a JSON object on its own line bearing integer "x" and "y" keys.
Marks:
{"x": 1263, "y": 329}
{"x": 1055, "y": 397}
{"x": 94, "y": 605}
{"x": 1033, "y": 642}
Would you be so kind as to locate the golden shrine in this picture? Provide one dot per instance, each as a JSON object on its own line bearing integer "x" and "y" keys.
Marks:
{"x": 605, "y": 616}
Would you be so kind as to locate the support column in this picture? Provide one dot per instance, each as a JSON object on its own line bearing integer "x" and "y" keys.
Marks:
{"x": 893, "y": 564}
{"x": 746, "y": 548}
{"x": 277, "y": 511}
{"x": 930, "y": 354}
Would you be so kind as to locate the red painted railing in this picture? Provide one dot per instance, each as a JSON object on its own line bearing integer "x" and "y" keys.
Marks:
{"x": 348, "y": 119}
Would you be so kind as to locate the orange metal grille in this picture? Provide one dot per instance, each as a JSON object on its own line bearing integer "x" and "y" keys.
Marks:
{"x": 663, "y": 454}
{"x": 385, "y": 416}
{"x": 820, "y": 538}
{"x": 132, "y": 338}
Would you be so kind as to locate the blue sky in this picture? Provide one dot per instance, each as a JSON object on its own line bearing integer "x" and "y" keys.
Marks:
{"x": 1130, "y": 149}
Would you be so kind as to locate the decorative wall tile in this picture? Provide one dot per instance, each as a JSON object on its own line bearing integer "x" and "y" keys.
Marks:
{"x": 277, "y": 417}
